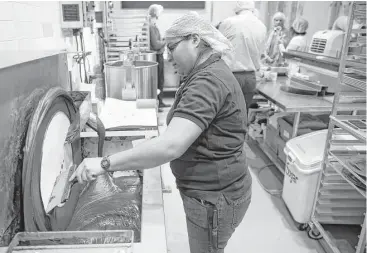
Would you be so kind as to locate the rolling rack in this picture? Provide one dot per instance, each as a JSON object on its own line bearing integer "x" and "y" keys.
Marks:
{"x": 340, "y": 205}
{"x": 124, "y": 30}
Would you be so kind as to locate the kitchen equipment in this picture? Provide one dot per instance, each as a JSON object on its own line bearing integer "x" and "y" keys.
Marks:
{"x": 126, "y": 29}
{"x": 303, "y": 167}
{"x": 59, "y": 241}
{"x": 273, "y": 77}
{"x": 299, "y": 90}
{"x": 310, "y": 84}
{"x": 327, "y": 43}
{"x": 282, "y": 71}
{"x": 145, "y": 55}
{"x": 141, "y": 75}
{"x": 62, "y": 189}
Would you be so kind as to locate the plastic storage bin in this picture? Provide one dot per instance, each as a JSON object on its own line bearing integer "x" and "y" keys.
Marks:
{"x": 303, "y": 167}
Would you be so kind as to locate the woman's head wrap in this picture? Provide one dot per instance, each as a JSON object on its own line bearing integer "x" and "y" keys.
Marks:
{"x": 244, "y": 5}
{"x": 300, "y": 25}
{"x": 192, "y": 23}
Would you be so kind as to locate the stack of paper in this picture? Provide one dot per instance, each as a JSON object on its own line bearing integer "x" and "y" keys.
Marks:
{"x": 118, "y": 113}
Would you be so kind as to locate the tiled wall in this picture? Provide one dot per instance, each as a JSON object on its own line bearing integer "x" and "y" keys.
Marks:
{"x": 29, "y": 30}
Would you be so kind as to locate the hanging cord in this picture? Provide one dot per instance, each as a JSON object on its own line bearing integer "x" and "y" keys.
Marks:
{"x": 78, "y": 59}
{"x": 104, "y": 42}
{"x": 83, "y": 56}
{"x": 276, "y": 193}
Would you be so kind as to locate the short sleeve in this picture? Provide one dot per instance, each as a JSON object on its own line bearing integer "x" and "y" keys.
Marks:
{"x": 294, "y": 44}
{"x": 201, "y": 100}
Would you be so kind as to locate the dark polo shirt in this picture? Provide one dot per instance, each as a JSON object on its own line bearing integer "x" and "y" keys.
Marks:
{"x": 215, "y": 163}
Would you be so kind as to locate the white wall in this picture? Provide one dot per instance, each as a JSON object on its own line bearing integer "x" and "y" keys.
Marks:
{"x": 32, "y": 30}
{"x": 222, "y": 10}
{"x": 317, "y": 15}
{"x": 29, "y": 30}
{"x": 170, "y": 15}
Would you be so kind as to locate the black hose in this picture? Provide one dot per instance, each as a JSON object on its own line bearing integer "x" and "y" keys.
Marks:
{"x": 97, "y": 125}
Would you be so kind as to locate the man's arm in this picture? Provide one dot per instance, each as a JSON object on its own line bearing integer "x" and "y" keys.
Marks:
{"x": 227, "y": 29}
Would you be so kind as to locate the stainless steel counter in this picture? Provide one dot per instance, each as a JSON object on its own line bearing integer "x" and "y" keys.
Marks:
{"x": 289, "y": 102}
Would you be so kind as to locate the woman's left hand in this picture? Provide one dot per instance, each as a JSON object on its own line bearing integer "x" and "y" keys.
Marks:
{"x": 88, "y": 170}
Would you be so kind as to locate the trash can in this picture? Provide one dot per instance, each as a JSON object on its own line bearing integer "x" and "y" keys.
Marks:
{"x": 303, "y": 167}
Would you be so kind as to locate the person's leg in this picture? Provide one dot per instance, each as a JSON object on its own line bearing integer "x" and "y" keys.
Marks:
{"x": 197, "y": 225}
{"x": 250, "y": 79}
{"x": 231, "y": 215}
{"x": 160, "y": 85}
{"x": 209, "y": 227}
{"x": 247, "y": 81}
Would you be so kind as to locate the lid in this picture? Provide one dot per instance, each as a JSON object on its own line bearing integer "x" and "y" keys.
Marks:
{"x": 308, "y": 148}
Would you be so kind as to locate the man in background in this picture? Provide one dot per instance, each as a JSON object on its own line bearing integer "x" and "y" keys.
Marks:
{"x": 247, "y": 35}
{"x": 157, "y": 44}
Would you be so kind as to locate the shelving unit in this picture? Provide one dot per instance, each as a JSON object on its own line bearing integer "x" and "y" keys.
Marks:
{"x": 341, "y": 193}
{"x": 124, "y": 29}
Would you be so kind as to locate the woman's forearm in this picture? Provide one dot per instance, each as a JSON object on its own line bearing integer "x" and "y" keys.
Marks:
{"x": 149, "y": 154}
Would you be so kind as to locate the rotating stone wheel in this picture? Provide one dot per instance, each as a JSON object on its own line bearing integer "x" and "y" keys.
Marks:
{"x": 46, "y": 158}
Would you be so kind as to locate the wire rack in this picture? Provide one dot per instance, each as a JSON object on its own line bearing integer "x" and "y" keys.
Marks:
{"x": 341, "y": 192}
{"x": 126, "y": 29}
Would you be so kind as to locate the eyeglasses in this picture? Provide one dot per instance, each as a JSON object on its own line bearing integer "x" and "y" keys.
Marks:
{"x": 173, "y": 46}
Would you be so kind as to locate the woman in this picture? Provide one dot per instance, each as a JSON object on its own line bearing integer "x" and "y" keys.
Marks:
{"x": 157, "y": 44}
{"x": 298, "y": 35}
{"x": 278, "y": 35}
{"x": 204, "y": 138}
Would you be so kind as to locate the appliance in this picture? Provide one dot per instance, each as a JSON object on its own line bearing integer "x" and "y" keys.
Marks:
{"x": 327, "y": 43}
{"x": 122, "y": 77}
{"x": 71, "y": 15}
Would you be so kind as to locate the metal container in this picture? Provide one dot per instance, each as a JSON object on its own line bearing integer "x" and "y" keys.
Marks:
{"x": 141, "y": 75}
{"x": 147, "y": 56}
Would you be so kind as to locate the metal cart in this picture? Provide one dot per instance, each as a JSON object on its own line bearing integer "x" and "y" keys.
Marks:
{"x": 341, "y": 193}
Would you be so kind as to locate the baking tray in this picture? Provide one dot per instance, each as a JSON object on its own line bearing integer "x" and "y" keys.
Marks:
{"x": 299, "y": 90}
{"x": 355, "y": 81}
{"x": 307, "y": 83}
{"x": 341, "y": 211}
{"x": 340, "y": 194}
{"x": 341, "y": 203}
{"x": 329, "y": 219}
{"x": 356, "y": 71}
{"x": 90, "y": 241}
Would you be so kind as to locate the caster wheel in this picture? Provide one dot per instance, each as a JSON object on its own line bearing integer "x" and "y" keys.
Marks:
{"x": 314, "y": 234}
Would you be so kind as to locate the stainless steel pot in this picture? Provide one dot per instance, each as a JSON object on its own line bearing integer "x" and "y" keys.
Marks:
{"x": 147, "y": 56}
{"x": 141, "y": 56}
{"x": 142, "y": 75}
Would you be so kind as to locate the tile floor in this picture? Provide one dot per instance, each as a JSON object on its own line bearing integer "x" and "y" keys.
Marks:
{"x": 267, "y": 226}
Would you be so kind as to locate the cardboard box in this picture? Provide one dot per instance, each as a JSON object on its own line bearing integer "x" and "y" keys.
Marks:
{"x": 270, "y": 137}
{"x": 285, "y": 130}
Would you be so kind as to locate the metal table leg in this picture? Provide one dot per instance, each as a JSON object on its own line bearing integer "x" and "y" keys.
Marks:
{"x": 296, "y": 124}
{"x": 362, "y": 239}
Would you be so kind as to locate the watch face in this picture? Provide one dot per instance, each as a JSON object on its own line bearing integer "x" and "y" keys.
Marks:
{"x": 105, "y": 163}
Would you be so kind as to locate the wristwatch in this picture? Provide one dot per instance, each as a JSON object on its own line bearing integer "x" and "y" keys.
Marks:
{"x": 105, "y": 163}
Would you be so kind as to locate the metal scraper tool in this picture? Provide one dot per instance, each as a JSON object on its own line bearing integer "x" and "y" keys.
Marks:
{"x": 61, "y": 191}
{"x": 62, "y": 187}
